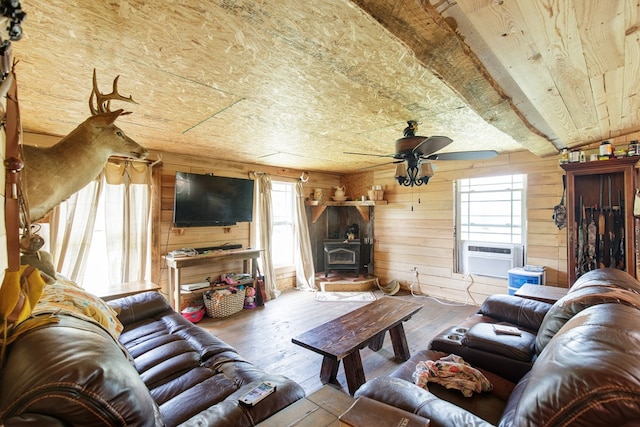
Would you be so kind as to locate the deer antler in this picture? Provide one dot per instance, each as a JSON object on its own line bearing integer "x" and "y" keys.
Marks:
{"x": 102, "y": 100}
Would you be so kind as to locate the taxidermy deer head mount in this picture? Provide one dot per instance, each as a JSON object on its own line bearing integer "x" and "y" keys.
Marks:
{"x": 53, "y": 174}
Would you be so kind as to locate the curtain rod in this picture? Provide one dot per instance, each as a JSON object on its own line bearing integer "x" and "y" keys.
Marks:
{"x": 304, "y": 176}
{"x": 150, "y": 162}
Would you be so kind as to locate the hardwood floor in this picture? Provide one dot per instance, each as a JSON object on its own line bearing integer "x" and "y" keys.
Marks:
{"x": 263, "y": 335}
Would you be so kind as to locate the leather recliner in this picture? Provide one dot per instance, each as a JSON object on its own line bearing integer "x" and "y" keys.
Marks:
{"x": 584, "y": 371}
{"x": 163, "y": 371}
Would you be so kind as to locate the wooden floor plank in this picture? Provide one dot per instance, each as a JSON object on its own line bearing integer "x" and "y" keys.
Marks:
{"x": 263, "y": 335}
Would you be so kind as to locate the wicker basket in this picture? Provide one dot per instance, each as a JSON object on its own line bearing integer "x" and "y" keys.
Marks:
{"x": 223, "y": 305}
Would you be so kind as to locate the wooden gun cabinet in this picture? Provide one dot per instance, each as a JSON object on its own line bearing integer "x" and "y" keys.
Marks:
{"x": 596, "y": 188}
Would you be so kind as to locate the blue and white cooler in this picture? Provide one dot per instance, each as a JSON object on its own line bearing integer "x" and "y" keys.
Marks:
{"x": 518, "y": 276}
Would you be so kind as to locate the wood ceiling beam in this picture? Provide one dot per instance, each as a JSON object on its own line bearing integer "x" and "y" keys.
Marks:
{"x": 438, "y": 47}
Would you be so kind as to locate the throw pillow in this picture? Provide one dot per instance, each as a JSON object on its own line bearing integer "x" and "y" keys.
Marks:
{"x": 66, "y": 297}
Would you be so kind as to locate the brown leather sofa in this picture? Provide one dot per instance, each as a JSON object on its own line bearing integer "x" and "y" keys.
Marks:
{"x": 163, "y": 371}
{"x": 584, "y": 365}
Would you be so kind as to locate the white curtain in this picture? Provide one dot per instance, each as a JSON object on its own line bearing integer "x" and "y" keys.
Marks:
{"x": 121, "y": 196}
{"x": 72, "y": 224}
{"x": 305, "y": 272}
{"x": 263, "y": 227}
{"x": 127, "y": 197}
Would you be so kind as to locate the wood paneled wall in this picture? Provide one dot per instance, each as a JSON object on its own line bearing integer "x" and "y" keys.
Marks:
{"x": 416, "y": 228}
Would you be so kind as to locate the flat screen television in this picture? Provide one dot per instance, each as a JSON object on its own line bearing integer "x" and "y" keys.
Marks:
{"x": 208, "y": 200}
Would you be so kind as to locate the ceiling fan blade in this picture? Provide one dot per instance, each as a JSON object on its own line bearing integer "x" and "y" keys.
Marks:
{"x": 431, "y": 145}
{"x": 464, "y": 155}
{"x": 369, "y": 154}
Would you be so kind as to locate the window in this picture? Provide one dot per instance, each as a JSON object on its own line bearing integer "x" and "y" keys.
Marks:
{"x": 100, "y": 236}
{"x": 491, "y": 209}
{"x": 282, "y": 198}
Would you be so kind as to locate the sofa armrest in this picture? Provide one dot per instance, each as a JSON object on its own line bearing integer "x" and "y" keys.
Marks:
{"x": 230, "y": 413}
{"x": 522, "y": 312}
{"x": 411, "y": 398}
{"x": 134, "y": 308}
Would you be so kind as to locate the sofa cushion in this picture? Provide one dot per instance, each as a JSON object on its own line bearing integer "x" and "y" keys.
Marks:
{"x": 483, "y": 336}
{"x": 450, "y": 341}
{"x": 588, "y": 374}
{"x": 522, "y": 312}
{"x": 138, "y": 307}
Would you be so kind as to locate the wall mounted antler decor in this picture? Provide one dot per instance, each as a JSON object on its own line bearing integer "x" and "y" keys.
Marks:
{"x": 103, "y": 100}
{"x": 55, "y": 173}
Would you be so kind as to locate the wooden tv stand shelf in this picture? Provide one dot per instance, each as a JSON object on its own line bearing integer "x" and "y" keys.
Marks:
{"x": 174, "y": 264}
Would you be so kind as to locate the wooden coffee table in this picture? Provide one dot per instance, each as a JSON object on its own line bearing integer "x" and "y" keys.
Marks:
{"x": 342, "y": 338}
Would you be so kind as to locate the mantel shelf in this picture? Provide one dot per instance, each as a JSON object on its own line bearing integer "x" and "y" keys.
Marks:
{"x": 318, "y": 207}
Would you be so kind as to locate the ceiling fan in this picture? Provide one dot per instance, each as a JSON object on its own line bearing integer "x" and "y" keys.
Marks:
{"x": 414, "y": 153}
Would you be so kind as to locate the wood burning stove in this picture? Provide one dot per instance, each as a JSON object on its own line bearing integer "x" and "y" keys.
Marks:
{"x": 342, "y": 255}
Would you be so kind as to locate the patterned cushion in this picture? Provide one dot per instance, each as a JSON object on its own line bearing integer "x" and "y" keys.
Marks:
{"x": 66, "y": 297}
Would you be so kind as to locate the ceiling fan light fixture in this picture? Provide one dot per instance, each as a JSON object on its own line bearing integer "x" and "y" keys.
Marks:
{"x": 413, "y": 174}
{"x": 401, "y": 171}
{"x": 426, "y": 170}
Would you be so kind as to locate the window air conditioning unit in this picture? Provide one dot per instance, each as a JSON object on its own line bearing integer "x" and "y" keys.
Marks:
{"x": 491, "y": 259}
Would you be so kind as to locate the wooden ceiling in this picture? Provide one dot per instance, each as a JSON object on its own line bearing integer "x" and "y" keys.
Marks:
{"x": 295, "y": 84}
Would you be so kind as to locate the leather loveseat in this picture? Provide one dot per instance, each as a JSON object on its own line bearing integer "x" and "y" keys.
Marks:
{"x": 584, "y": 367}
{"x": 163, "y": 370}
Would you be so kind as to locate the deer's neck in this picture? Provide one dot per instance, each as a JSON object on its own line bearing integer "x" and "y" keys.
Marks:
{"x": 83, "y": 149}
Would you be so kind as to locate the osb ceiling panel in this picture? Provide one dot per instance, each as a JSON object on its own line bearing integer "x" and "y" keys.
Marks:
{"x": 293, "y": 83}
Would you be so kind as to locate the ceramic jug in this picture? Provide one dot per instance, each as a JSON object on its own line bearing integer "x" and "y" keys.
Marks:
{"x": 339, "y": 192}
